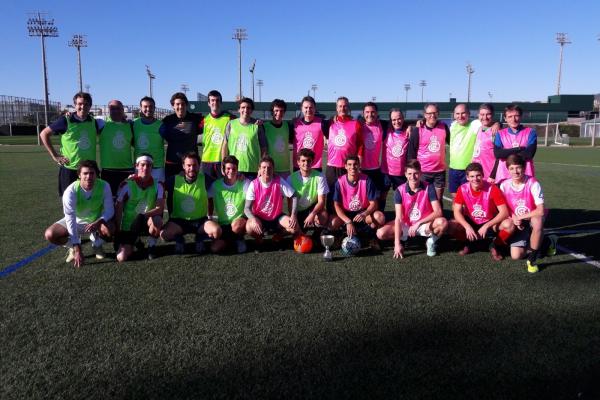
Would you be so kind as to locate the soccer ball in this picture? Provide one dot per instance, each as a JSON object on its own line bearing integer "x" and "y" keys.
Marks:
{"x": 350, "y": 245}
{"x": 303, "y": 244}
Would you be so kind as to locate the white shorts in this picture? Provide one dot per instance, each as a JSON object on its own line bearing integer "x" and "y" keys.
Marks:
{"x": 423, "y": 230}
{"x": 158, "y": 174}
{"x": 80, "y": 230}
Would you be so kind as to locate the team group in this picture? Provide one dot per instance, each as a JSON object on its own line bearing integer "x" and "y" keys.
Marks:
{"x": 238, "y": 184}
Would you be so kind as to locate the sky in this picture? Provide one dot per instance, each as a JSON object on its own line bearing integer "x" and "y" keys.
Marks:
{"x": 352, "y": 48}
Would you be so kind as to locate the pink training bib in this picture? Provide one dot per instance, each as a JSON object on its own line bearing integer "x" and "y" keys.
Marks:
{"x": 416, "y": 206}
{"x": 372, "y": 136}
{"x": 483, "y": 152}
{"x": 432, "y": 148}
{"x": 354, "y": 198}
{"x": 510, "y": 141}
{"x": 343, "y": 141}
{"x": 519, "y": 202}
{"x": 478, "y": 207}
{"x": 394, "y": 155}
{"x": 268, "y": 201}
{"x": 309, "y": 136}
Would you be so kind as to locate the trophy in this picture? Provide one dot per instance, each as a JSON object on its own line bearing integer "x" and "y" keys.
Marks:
{"x": 326, "y": 241}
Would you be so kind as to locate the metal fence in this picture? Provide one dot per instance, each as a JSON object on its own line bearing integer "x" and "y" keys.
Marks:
{"x": 22, "y": 110}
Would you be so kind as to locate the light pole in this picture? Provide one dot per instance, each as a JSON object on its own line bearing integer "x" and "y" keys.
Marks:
{"x": 79, "y": 41}
{"x": 314, "y": 88}
{"x": 151, "y": 77}
{"x": 422, "y": 84}
{"x": 490, "y": 95}
{"x": 239, "y": 35}
{"x": 260, "y": 83}
{"x": 185, "y": 88}
{"x": 470, "y": 72}
{"x": 87, "y": 88}
{"x": 561, "y": 39}
{"x": 37, "y": 25}
{"x": 406, "y": 89}
{"x": 252, "y": 72}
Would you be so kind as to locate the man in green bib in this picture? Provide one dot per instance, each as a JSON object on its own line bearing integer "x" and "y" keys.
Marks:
{"x": 188, "y": 205}
{"x": 88, "y": 208}
{"x": 312, "y": 189}
{"x": 226, "y": 200}
{"x": 147, "y": 139}
{"x": 213, "y": 133}
{"x": 245, "y": 140}
{"x": 279, "y": 135}
{"x": 78, "y": 133}
{"x": 139, "y": 209}
{"x": 116, "y": 146}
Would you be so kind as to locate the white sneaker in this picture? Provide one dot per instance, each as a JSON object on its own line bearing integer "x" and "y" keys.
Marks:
{"x": 70, "y": 255}
{"x": 241, "y": 246}
{"x": 99, "y": 252}
{"x": 430, "y": 244}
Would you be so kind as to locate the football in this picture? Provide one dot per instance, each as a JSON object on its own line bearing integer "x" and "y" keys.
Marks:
{"x": 350, "y": 245}
{"x": 303, "y": 244}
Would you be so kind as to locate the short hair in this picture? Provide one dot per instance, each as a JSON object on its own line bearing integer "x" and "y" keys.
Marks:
{"x": 371, "y": 104}
{"x": 513, "y": 107}
{"x": 310, "y": 99}
{"x": 515, "y": 159}
{"x": 437, "y": 108}
{"x": 308, "y": 153}
{"x": 474, "y": 166}
{"x": 278, "y": 103}
{"x": 190, "y": 154}
{"x": 148, "y": 99}
{"x": 487, "y": 106}
{"x": 180, "y": 96}
{"x": 396, "y": 110}
{"x": 413, "y": 164}
{"x": 230, "y": 160}
{"x": 215, "y": 93}
{"x": 248, "y": 101}
{"x": 464, "y": 105}
{"x": 91, "y": 164}
{"x": 84, "y": 95}
{"x": 268, "y": 159}
{"x": 343, "y": 98}
{"x": 351, "y": 157}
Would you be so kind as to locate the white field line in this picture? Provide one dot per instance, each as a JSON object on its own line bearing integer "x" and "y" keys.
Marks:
{"x": 566, "y": 250}
{"x": 568, "y": 165}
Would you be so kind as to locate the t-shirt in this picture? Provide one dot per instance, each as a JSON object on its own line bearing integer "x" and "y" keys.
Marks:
{"x": 286, "y": 188}
{"x": 181, "y": 135}
{"x": 372, "y": 192}
{"x": 430, "y": 193}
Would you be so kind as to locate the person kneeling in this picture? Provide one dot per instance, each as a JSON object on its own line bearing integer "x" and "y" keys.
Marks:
{"x": 418, "y": 212}
{"x": 264, "y": 203}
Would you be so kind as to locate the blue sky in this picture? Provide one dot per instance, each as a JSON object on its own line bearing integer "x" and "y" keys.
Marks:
{"x": 350, "y": 48}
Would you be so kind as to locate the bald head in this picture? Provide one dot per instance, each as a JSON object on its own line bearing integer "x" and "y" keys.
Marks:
{"x": 116, "y": 110}
{"x": 461, "y": 114}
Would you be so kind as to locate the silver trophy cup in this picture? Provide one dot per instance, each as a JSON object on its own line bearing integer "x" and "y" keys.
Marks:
{"x": 327, "y": 240}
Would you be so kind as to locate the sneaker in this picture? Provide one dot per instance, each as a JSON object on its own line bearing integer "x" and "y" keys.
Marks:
{"x": 496, "y": 256}
{"x": 241, "y": 246}
{"x": 199, "y": 247}
{"x": 466, "y": 250}
{"x": 532, "y": 268}
{"x": 99, "y": 252}
{"x": 179, "y": 248}
{"x": 151, "y": 253}
{"x": 431, "y": 247}
{"x": 552, "y": 247}
{"x": 70, "y": 255}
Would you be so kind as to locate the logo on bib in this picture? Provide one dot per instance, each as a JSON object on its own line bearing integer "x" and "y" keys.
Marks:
{"x": 230, "y": 209}
{"x": 397, "y": 150}
{"x": 340, "y": 139}
{"x": 143, "y": 142}
{"x": 242, "y": 143}
{"x": 521, "y": 208}
{"x": 477, "y": 149}
{"x": 279, "y": 145}
{"x": 308, "y": 142}
{"x": 304, "y": 201}
{"x": 119, "y": 140}
{"x": 415, "y": 214}
{"x": 267, "y": 206}
{"x": 187, "y": 204}
{"x": 354, "y": 204}
{"x": 515, "y": 145}
{"x": 84, "y": 142}
{"x": 217, "y": 136}
{"x": 86, "y": 212}
{"x": 141, "y": 207}
{"x": 369, "y": 140}
{"x": 434, "y": 145}
{"x": 478, "y": 211}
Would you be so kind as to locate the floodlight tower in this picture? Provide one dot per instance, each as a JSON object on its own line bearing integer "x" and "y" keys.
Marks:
{"x": 79, "y": 41}
{"x": 240, "y": 34}
{"x": 406, "y": 89}
{"x": 314, "y": 88}
{"x": 422, "y": 84}
{"x": 260, "y": 83}
{"x": 252, "y": 72}
{"x": 185, "y": 88}
{"x": 38, "y": 25}
{"x": 561, "y": 39}
{"x": 87, "y": 88}
{"x": 151, "y": 77}
{"x": 470, "y": 71}
{"x": 490, "y": 95}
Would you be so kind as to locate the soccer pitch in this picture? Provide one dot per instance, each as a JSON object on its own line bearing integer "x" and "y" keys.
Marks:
{"x": 285, "y": 325}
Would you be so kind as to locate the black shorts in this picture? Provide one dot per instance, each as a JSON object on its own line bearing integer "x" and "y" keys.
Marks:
{"x": 456, "y": 177}
{"x": 377, "y": 178}
{"x": 139, "y": 227}
{"x": 66, "y": 176}
{"x": 189, "y": 225}
{"x": 114, "y": 177}
{"x": 332, "y": 174}
{"x": 394, "y": 181}
{"x": 272, "y": 225}
{"x": 172, "y": 169}
{"x": 437, "y": 179}
{"x": 211, "y": 170}
{"x": 490, "y": 234}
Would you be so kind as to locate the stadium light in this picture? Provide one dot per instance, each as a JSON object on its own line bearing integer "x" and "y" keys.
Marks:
{"x": 151, "y": 77}
{"x": 470, "y": 72}
{"x": 422, "y": 84}
{"x": 79, "y": 41}
{"x": 314, "y": 88}
{"x": 239, "y": 35}
{"x": 406, "y": 88}
{"x": 185, "y": 88}
{"x": 260, "y": 83}
{"x": 39, "y": 26}
{"x": 252, "y": 72}
{"x": 561, "y": 39}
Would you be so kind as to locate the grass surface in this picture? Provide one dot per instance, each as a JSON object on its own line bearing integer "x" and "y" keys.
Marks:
{"x": 281, "y": 324}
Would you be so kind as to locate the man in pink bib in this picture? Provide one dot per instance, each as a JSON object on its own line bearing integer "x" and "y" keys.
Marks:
{"x": 418, "y": 213}
{"x": 309, "y": 131}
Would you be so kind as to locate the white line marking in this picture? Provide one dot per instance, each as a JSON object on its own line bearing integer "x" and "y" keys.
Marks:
{"x": 579, "y": 256}
{"x": 568, "y": 165}
{"x": 571, "y": 231}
